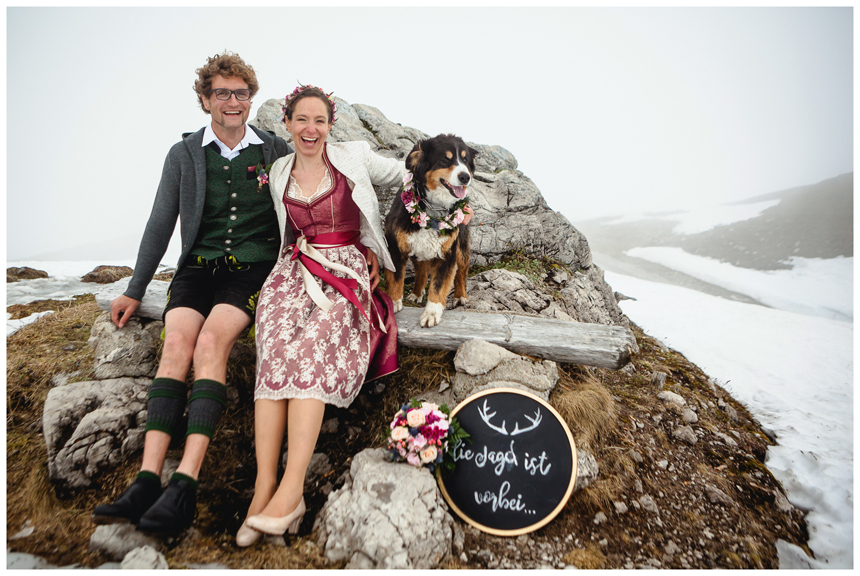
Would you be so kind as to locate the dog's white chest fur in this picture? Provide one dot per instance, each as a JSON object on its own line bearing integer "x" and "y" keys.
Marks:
{"x": 426, "y": 244}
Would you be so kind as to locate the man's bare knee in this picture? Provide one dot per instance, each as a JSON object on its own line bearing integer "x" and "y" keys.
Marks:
{"x": 211, "y": 346}
{"x": 177, "y": 347}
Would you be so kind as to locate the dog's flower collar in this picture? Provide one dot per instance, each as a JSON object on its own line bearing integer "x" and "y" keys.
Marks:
{"x": 419, "y": 215}
{"x": 301, "y": 88}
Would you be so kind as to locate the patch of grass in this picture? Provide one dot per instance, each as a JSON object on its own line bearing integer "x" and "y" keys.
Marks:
{"x": 587, "y": 408}
{"x": 588, "y": 558}
{"x": 518, "y": 261}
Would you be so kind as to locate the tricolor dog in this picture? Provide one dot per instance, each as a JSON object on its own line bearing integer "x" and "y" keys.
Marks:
{"x": 425, "y": 224}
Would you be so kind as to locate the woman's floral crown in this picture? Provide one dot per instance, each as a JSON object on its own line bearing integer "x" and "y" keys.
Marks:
{"x": 301, "y": 88}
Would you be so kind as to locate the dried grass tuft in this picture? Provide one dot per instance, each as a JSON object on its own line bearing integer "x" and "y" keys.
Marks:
{"x": 587, "y": 407}
{"x": 588, "y": 558}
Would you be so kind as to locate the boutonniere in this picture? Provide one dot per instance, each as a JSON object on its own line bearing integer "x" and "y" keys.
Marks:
{"x": 262, "y": 174}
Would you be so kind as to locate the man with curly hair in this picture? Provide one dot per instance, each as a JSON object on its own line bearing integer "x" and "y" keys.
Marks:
{"x": 215, "y": 182}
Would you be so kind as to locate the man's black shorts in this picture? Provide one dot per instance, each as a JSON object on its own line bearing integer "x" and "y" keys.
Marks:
{"x": 202, "y": 284}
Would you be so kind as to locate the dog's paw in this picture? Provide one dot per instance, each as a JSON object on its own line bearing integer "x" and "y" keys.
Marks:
{"x": 398, "y": 305}
{"x": 415, "y": 298}
{"x": 461, "y": 301}
{"x": 432, "y": 315}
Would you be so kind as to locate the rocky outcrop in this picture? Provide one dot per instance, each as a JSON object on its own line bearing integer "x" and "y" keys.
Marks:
{"x": 511, "y": 215}
{"x": 581, "y": 296}
{"x": 92, "y": 426}
{"x": 131, "y": 351}
{"x": 481, "y": 365}
{"x": 24, "y": 273}
{"x": 152, "y": 305}
{"x": 386, "y": 515}
{"x": 107, "y": 274}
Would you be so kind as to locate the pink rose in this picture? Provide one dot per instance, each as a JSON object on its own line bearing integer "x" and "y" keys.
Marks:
{"x": 414, "y": 459}
{"x": 415, "y": 418}
{"x": 429, "y": 407}
{"x": 419, "y": 441}
{"x": 399, "y": 433}
{"x": 429, "y": 454}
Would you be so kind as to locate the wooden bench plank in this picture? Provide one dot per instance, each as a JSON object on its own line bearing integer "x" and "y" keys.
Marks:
{"x": 558, "y": 340}
{"x": 572, "y": 342}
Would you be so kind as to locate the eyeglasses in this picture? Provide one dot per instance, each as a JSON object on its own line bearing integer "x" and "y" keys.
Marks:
{"x": 241, "y": 94}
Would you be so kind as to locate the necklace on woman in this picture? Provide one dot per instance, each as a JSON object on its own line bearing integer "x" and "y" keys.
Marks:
{"x": 419, "y": 215}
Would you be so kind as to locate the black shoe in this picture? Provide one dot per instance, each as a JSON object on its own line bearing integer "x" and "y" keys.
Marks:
{"x": 131, "y": 505}
{"x": 174, "y": 512}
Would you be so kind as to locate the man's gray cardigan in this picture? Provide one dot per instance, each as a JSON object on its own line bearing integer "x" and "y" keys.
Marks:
{"x": 182, "y": 193}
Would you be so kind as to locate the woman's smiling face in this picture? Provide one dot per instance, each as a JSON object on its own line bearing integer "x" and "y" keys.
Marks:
{"x": 310, "y": 126}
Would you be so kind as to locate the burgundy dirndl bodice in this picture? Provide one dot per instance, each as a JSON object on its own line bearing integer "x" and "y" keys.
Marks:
{"x": 304, "y": 351}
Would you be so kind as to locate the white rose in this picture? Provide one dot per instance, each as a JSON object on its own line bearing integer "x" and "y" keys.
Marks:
{"x": 415, "y": 418}
{"x": 400, "y": 433}
{"x": 429, "y": 454}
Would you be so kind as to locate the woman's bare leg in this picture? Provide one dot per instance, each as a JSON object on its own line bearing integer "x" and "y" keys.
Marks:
{"x": 270, "y": 422}
{"x": 304, "y": 419}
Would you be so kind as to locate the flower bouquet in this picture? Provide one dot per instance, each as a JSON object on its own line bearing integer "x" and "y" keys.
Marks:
{"x": 424, "y": 434}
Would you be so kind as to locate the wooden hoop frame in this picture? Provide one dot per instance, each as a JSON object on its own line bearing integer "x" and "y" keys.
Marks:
{"x": 546, "y": 520}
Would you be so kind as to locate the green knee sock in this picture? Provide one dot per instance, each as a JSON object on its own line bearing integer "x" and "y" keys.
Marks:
{"x": 205, "y": 406}
{"x": 165, "y": 405}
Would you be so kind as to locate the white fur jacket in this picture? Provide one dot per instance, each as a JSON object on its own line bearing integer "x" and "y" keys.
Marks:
{"x": 363, "y": 169}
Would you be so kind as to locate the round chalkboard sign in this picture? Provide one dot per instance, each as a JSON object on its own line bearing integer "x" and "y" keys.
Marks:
{"x": 518, "y": 471}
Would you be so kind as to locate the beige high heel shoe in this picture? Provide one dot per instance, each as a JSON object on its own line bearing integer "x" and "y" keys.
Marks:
{"x": 246, "y": 535}
{"x": 277, "y": 526}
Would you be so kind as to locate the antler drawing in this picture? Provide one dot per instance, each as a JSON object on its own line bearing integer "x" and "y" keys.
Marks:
{"x": 486, "y": 418}
{"x": 535, "y": 422}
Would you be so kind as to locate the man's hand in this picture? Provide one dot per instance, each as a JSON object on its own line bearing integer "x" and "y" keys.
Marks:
{"x": 373, "y": 269}
{"x": 121, "y": 309}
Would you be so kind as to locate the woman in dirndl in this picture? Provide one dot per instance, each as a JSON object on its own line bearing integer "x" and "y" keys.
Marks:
{"x": 322, "y": 326}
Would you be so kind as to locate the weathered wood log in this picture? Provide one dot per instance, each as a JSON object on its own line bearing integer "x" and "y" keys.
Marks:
{"x": 571, "y": 342}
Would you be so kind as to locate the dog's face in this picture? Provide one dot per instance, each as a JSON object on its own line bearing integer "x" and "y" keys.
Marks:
{"x": 442, "y": 168}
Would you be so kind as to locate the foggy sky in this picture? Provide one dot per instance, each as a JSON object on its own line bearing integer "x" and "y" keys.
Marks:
{"x": 608, "y": 111}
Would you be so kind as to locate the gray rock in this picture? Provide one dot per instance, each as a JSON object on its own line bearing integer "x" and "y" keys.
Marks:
{"x": 22, "y": 561}
{"x": 131, "y": 351}
{"x": 477, "y": 357}
{"x": 329, "y": 426}
{"x": 717, "y": 496}
{"x": 117, "y": 540}
{"x": 727, "y": 439}
{"x": 371, "y": 521}
{"x": 152, "y": 305}
{"x": 620, "y": 507}
{"x": 144, "y": 558}
{"x": 587, "y": 470}
{"x": 319, "y": 466}
{"x": 599, "y": 518}
{"x": 87, "y": 426}
{"x": 689, "y": 416}
{"x": 636, "y": 456}
{"x": 658, "y": 380}
{"x": 538, "y": 377}
{"x": 733, "y": 414}
{"x": 648, "y": 504}
{"x": 686, "y": 434}
{"x": 668, "y": 396}
{"x": 671, "y": 548}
